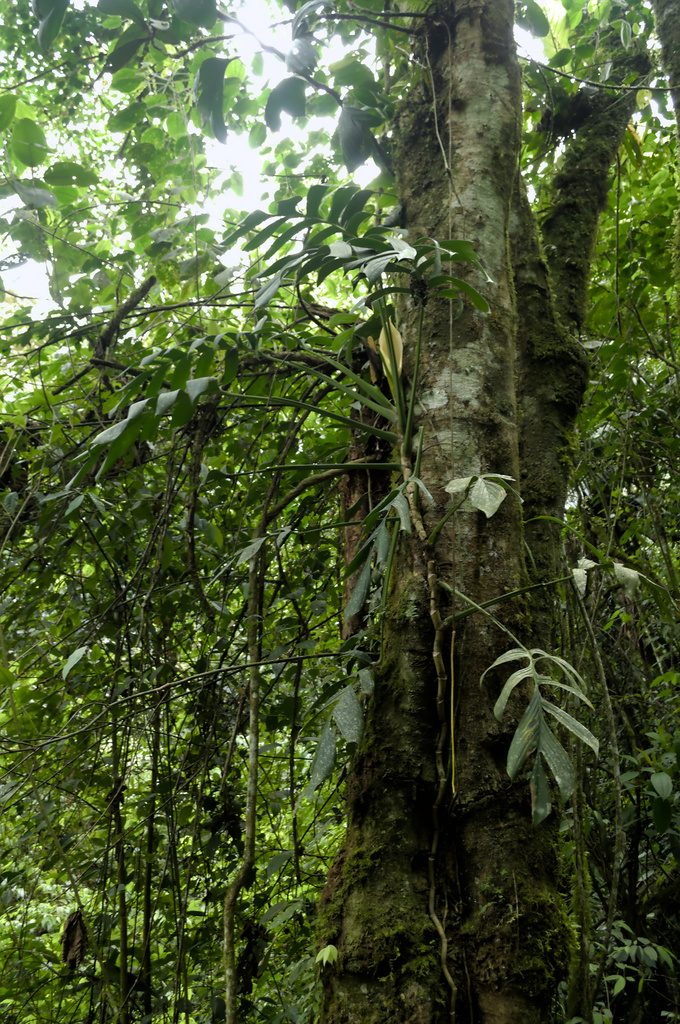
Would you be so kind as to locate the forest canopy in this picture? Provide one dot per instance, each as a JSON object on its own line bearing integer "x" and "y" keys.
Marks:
{"x": 339, "y": 534}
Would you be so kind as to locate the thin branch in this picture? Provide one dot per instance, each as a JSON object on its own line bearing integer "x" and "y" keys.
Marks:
{"x": 595, "y": 85}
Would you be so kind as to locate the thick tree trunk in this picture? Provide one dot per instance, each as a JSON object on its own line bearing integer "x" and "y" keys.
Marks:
{"x": 444, "y": 908}
{"x": 578, "y": 192}
{"x": 667, "y": 14}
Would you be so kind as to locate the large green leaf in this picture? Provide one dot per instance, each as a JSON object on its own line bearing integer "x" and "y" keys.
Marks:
{"x": 662, "y": 814}
{"x": 558, "y": 760}
{"x": 530, "y": 16}
{"x": 662, "y": 784}
{"x": 527, "y": 737}
{"x": 300, "y": 23}
{"x": 354, "y": 137}
{"x": 123, "y": 8}
{"x": 28, "y": 142}
{"x": 50, "y": 14}
{"x": 8, "y": 105}
{"x": 196, "y": 12}
{"x": 124, "y": 52}
{"x": 287, "y": 97}
{"x": 572, "y": 724}
{"x": 208, "y": 93}
{"x": 517, "y": 677}
{"x": 360, "y": 592}
{"x": 67, "y": 172}
{"x": 73, "y": 660}
{"x": 302, "y": 57}
{"x": 324, "y": 759}
{"x": 349, "y": 716}
{"x": 37, "y": 197}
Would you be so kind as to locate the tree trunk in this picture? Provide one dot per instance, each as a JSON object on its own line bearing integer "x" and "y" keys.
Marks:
{"x": 667, "y": 14}
{"x": 445, "y": 906}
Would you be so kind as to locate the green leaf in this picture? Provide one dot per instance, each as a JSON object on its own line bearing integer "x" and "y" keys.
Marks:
{"x": 478, "y": 300}
{"x": 626, "y": 34}
{"x": 348, "y": 716}
{"x": 74, "y": 505}
{"x": 366, "y": 681}
{"x": 264, "y": 233}
{"x": 73, "y": 660}
{"x": 127, "y": 118}
{"x": 258, "y": 134}
{"x": 329, "y": 954}
{"x": 113, "y": 433}
{"x": 120, "y": 56}
{"x": 37, "y": 197}
{"x": 627, "y": 578}
{"x": 526, "y": 737}
{"x": 355, "y": 138}
{"x": 459, "y": 249}
{"x": 302, "y": 57}
{"x": 230, "y": 366}
{"x": 540, "y": 793}
{"x": 166, "y": 401}
{"x": 300, "y": 25}
{"x": 250, "y": 551}
{"x": 358, "y": 596}
{"x": 576, "y": 691}
{"x": 10, "y": 502}
{"x": 487, "y": 496}
{"x": 195, "y": 12}
{"x": 368, "y": 395}
{"x": 65, "y": 172}
{"x": 377, "y": 265}
{"x": 662, "y": 814}
{"x": 401, "y": 505}
{"x": 123, "y": 9}
{"x": 278, "y": 861}
{"x": 561, "y": 58}
{"x": 531, "y": 17}
{"x": 6, "y": 677}
{"x": 121, "y": 444}
{"x": 267, "y": 291}
{"x": 572, "y": 724}
{"x": 287, "y": 97}
{"x": 28, "y": 143}
{"x": 199, "y": 385}
{"x": 352, "y": 73}
{"x": 208, "y": 93}
{"x": 558, "y": 760}
{"x": 51, "y": 14}
{"x": 516, "y": 677}
{"x": 619, "y": 985}
{"x": 663, "y": 784}
{"x": 315, "y": 196}
{"x": 8, "y": 106}
{"x": 324, "y": 758}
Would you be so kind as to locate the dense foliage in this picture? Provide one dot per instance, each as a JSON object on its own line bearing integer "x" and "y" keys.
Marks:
{"x": 173, "y": 435}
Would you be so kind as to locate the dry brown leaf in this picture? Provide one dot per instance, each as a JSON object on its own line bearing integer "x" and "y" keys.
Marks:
{"x": 73, "y": 940}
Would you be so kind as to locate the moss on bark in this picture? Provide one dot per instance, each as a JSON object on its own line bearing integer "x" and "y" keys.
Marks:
{"x": 578, "y": 191}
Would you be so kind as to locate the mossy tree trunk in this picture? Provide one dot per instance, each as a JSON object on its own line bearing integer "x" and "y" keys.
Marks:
{"x": 667, "y": 14}
{"x": 444, "y": 906}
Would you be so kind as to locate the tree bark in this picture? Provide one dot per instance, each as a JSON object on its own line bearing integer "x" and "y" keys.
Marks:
{"x": 667, "y": 14}
{"x": 446, "y": 909}
{"x": 578, "y": 191}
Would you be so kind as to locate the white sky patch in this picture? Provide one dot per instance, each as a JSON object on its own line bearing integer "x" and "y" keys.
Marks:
{"x": 528, "y": 45}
